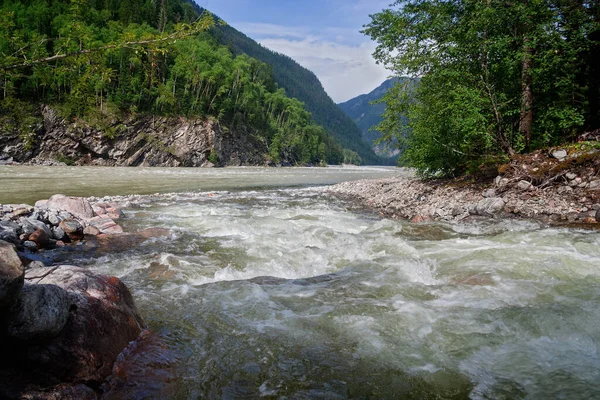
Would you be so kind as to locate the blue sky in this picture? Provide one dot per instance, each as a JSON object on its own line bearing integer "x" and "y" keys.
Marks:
{"x": 322, "y": 36}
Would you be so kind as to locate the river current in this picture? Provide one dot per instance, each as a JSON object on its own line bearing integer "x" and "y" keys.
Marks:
{"x": 272, "y": 288}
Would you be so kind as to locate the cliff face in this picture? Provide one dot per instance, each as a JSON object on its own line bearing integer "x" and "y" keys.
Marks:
{"x": 140, "y": 141}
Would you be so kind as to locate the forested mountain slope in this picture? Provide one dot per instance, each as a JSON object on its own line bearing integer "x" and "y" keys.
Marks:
{"x": 102, "y": 62}
{"x": 302, "y": 84}
{"x": 367, "y": 115}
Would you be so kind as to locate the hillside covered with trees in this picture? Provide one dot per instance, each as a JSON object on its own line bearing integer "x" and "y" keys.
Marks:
{"x": 498, "y": 78}
{"x": 302, "y": 84}
{"x": 92, "y": 58}
{"x": 366, "y": 111}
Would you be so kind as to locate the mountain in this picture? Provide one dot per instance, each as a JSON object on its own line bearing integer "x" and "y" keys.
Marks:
{"x": 367, "y": 115}
{"x": 302, "y": 84}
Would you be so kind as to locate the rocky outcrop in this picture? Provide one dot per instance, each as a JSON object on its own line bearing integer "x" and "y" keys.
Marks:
{"x": 135, "y": 141}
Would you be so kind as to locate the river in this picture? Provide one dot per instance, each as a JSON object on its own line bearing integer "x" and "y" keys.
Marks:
{"x": 265, "y": 286}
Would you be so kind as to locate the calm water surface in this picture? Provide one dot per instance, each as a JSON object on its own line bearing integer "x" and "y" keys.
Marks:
{"x": 288, "y": 293}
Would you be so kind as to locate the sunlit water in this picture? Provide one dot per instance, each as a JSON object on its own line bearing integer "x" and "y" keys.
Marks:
{"x": 291, "y": 293}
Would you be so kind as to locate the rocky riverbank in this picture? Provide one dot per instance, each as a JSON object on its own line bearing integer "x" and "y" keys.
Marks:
{"x": 61, "y": 327}
{"x": 557, "y": 187}
{"x": 129, "y": 140}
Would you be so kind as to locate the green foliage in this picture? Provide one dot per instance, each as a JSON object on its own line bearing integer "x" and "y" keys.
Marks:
{"x": 303, "y": 85}
{"x": 497, "y": 78}
{"x": 95, "y": 59}
{"x": 213, "y": 157}
{"x": 65, "y": 159}
{"x": 352, "y": 157}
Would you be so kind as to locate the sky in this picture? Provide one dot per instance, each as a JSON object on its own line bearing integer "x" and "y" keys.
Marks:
{"x": 321, "y": 35}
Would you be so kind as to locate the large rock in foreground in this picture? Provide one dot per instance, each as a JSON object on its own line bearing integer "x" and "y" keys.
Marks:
{"x": 40, "y": 313}
{"x": 11, "y": 276}
{"x": 102, "y": 321}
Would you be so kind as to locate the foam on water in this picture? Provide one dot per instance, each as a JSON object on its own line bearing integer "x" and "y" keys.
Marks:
{"x": 286, "y": 293}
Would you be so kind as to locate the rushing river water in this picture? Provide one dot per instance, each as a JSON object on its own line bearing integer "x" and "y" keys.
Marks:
{"x": 291, "y": 293}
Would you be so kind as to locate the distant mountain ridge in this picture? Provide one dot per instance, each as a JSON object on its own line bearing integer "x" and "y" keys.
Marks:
{"x": 304, "y": 85}
{"x": 367, "y": 115}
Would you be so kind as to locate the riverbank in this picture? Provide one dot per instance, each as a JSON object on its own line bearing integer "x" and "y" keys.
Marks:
{"x": 61, "y": 327}
{"x": 562, "y": 187}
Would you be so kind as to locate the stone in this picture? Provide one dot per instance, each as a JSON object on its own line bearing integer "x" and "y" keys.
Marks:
{"x": 597, "y": 215}
{"x": 21, "y": 211}
{"x": 419, "y": 219}
{"x": 560, "y": 154}
{"x": 524, "y": 185}
{"x": 110, "y": 209}
{"x": 590, "y": 220}
{"x": 12, "y": 275}
{"x": 30, "y": 245}
{"x": 58, "y": 233}
{"x": 594, "y": 185}
{"x": 35, "y": 264}
{"x": 77, "y": 206}
{"x": 564, "y": 189}
{"x": 53, "y": 219}
{"x": 91, "y": 231}
{"x": 41, "y": 238}
{"x": 570, "y": 176}
{"x": 40, "y": 313}
{"x": 489, "y": 193}
{"x": 102, "y": 321}
{"x": 490, "y": 206}
{"x": 9, "y": 232}
{"x": 72, "y": 228}
{"x": 457, "y": 210}
{"x": 105, "y": 225}
{"x": 41, "y": 204}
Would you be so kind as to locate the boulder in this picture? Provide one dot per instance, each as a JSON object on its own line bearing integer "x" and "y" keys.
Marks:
{"x": 41, "y": 238}
{"x": 560, "y": 154}
{"x": 524, "y": 185}
{"x": 109, "y": 209}
{"x": 77, "y": 206}
{"x": 597, "y": 216}
{"x": 105, "y": 224}
{"x": 58, "y": 233}
{"x": 489, "y": 193}
{"x": 11, "y": 276}
{"x": 72, "y": 229}
{"x": 9, "y": 231}
{"x": 489, "y": 206}
{"x": 40, "y": 313}
{"x": 101, "y": 322}
{"x": 594, "y": 185}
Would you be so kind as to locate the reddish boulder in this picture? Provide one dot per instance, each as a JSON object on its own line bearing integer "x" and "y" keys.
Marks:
{"x": 41, "y": 238}
{"x": 105, "y": 224}
{"x": 102, "y": 321}
{"x": 72, "y": 229}
{"x": 77, "y": 206}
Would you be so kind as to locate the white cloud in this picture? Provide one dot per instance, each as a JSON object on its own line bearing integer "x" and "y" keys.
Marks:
{"x": 272, "y": 30}
{"x": 345, "y": 71}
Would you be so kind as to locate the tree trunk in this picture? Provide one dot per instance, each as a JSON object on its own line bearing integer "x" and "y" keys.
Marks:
{"x": 526, "y": 120}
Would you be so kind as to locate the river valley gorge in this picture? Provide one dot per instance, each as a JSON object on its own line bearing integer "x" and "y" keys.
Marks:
{"x": 264, "y": 285}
